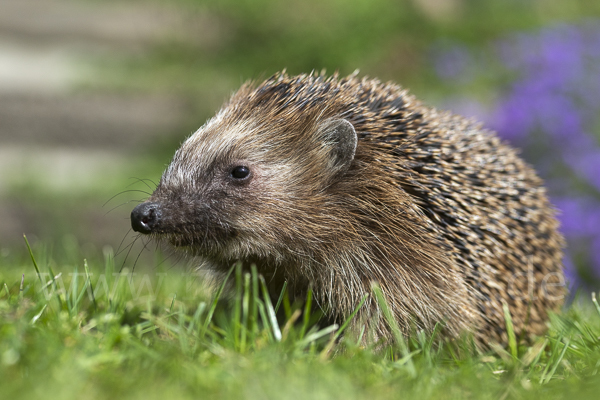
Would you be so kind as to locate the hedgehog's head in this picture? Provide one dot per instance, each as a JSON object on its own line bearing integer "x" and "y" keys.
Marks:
{"x": 253, "y": 188}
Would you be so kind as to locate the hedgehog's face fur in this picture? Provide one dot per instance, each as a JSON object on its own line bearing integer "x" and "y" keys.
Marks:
{"x": 234, "y": 190}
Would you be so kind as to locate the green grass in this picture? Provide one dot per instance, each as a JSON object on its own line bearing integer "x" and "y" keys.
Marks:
{"x": 95, "y": 333}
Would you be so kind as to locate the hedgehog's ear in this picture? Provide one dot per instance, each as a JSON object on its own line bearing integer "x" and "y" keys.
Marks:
{"x": 340, "y": 138}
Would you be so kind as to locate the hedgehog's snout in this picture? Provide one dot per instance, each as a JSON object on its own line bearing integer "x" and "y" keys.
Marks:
{"x": 145, "y": 217}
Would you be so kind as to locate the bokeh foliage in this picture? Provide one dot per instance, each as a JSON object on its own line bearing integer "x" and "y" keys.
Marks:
{"x": 453, "y": 54}
{"x": 220, "y": 44}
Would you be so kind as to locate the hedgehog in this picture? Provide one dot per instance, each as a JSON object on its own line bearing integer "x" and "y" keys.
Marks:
{"x": 332, "y": 184}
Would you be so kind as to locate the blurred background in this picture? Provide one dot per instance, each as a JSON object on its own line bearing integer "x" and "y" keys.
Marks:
{"x": 96, "y": 95}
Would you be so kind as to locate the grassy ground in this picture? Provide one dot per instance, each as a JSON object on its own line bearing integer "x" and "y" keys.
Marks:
{"x": 97, "y": 333}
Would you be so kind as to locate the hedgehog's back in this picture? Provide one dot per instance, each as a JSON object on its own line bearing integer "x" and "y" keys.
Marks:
{"x": 490, "y": 206}
{"x": 475, "y": 194}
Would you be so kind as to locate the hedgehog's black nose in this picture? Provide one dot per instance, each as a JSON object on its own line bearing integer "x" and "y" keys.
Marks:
{"x": 145, "y": 217}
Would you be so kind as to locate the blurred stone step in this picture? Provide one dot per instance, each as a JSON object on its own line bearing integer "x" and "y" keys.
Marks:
{"x": 86, "y": 24}
{"x": 110, "y": 121}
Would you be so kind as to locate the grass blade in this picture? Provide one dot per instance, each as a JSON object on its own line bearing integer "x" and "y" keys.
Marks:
{"x": 280, "y": 299}
{"x": 306, "y": 317}
{"x": 558, "y": 360}
{"x": 510, "y": 331}
{"x": 89, "y": 283}
{"x": 595, "y": 301}
{"x": 312, "y": 337}
{"x": 272, "y": 318}
{"x": 38, "y": 315}
{"x": 333, "y": 339}
{"x": 393, "y": 324}
{"x": 35, "y": 265}
{"x": 213, "y": 306}
{"x": 21, "y": 287}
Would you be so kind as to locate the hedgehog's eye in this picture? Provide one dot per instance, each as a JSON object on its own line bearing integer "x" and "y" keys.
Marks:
{"x": 240, "y": 172}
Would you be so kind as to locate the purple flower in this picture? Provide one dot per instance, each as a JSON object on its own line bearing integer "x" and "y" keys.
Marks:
{"x": 571, "y": 276}
{"x": 551, "y": 108}
{"x": 467, "y": 107}
{"x": 579, "y": 217}
{"x": 453, "y": 62}
{"x": 512, "y": 119}
{"x": 586, "y": 165}
{"x": 595, "y": 252}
